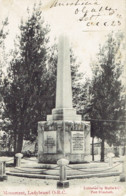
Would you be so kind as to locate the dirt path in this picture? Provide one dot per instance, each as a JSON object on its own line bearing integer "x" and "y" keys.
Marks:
{"x": 36, "y": 187}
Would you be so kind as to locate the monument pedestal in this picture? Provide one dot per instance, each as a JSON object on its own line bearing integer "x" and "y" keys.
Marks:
{"x": 58, "y": 139}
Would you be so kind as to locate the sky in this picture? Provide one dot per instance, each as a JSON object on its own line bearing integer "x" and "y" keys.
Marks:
{"x": 84, "y": 39}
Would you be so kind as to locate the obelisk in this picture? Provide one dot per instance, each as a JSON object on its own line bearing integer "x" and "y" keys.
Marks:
{"x": 63, "y": 134}
{"x": 63, "y": 88}
{"x": 64, "y": 107}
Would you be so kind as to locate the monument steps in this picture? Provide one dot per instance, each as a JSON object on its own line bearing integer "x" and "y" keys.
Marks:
{"x": 51, "y": 171}
{"x": 94, "y": 175}
{"x": 39, "y": 176}
{"x": 68, "y": 169}
{"x": 36, "y": 165}
{"x": 45, "y": 176}
{"x": 70, "y": 172}
{"x": 91, "y": 165}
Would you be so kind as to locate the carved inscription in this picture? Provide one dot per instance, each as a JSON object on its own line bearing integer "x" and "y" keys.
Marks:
{"x": 50, "y": 142}
{"x": 77, "y": 142}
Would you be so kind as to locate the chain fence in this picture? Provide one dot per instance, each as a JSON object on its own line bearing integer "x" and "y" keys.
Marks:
{"x": 36, "y": 172}
{"x": 93, "y": 171}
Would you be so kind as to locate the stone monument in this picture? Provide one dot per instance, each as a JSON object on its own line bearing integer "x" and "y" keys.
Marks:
{"x": 63, "y": 134}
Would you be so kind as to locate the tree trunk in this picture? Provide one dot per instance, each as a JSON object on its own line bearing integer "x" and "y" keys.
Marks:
{"x": 92, "y": 148}
{"x": 102, "y": 150}
{"x": 20, "y": 142}
{"x": 15, "y": 146}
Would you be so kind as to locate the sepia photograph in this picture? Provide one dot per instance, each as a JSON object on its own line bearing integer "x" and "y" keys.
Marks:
{"x": 62, "y": 97}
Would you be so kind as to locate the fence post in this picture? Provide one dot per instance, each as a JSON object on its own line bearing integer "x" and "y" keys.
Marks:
{"x": 99, "y": 150}
{"x": 3, "y": 175}
{"x": 110, "y": 156}
{"x": 123, "y": 174}
{"x": 18, "y": 159}
{"x": 120, "y": 151}
{"x": 62, "y": 183}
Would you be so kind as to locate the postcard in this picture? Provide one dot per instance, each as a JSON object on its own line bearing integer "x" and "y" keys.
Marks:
{"x": 69, "y": 138}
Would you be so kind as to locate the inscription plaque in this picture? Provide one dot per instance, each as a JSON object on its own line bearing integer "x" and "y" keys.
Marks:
{"x": 50, "y": 142}
{"x": 77, "y": 142}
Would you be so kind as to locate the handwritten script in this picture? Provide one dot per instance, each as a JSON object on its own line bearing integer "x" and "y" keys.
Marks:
{"x": 92, "y": 12}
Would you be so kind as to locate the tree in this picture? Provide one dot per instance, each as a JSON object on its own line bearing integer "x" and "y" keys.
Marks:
{"x": 25, "y": 87}
{"x": 3, "y": 31}
{"x": 3, "y": 35}
{"x": 106, "y": 106}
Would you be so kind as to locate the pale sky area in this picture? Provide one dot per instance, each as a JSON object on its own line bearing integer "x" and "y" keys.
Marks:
{"x": 84, "y": 39}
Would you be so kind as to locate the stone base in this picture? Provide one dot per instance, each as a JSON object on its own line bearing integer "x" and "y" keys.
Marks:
{"x": 73, "y": 158}
{"x": 122, "y": 177}
{"x": 63, "y": 139}
{"x": 2, "y": 178}
{"x": 62, "y": 184}
{"x": 49, "y": 158}
{"x": 64, "y": 114}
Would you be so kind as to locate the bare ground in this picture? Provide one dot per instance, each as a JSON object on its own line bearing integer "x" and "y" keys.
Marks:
{"x": 89, "y": 186}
